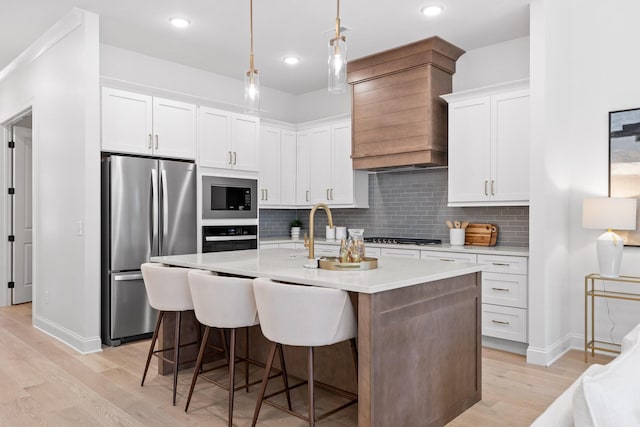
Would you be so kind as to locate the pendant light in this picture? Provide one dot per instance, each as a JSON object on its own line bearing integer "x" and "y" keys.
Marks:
{"x": 251, "y": 78}
{"x": 338, "y": 60}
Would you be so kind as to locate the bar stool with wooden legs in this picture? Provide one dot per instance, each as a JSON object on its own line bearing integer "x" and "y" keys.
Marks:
{"x": 168, "y": 291}
{"x": 225, "y": 303}
{"x": 304, "y": 316}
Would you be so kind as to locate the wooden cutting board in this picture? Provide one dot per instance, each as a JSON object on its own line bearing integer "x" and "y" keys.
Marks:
{"x": 481, "y": 234}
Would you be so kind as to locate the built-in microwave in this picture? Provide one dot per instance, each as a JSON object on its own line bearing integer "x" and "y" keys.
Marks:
{"x": 229, "y": 198}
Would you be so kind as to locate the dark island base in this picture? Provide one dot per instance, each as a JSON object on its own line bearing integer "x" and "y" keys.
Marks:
{"x": 419, "y": 353}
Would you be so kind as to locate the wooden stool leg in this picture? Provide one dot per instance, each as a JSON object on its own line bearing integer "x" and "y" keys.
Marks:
{"x": 265, "y": 379}
{"x": 232, "y": 373}
{"x": 176, "y": 355}
{"x": 285, "y": 378}
{"x": 312, "y": 409}
{"x": 246, "y": 359}
{"x": 196, "y": 372}
{"x": 153, "y": 344}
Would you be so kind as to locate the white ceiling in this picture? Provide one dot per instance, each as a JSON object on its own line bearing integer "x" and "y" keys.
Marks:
{"x": 218, "y": 39}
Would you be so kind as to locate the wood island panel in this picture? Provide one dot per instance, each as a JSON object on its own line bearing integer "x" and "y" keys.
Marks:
{"x": 419, "y": 353}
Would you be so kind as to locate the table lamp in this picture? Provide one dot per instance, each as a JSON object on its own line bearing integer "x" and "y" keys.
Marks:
{"x": 609, "y": 213}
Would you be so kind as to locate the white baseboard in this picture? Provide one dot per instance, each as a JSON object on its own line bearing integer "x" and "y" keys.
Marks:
{"x": 70, "y": 338}
{"x": 546, "y": 356}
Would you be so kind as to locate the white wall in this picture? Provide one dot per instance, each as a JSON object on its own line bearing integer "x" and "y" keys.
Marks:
{"x": 60, "y": 81}
{"x": 126, "y": 69}
{"x": 498, "y": 63}
{"x": 321, "y": 104}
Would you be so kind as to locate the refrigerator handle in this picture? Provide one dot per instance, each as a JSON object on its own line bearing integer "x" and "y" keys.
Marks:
{"x": 154, "y": 208}
{"x": 165, "y": 209}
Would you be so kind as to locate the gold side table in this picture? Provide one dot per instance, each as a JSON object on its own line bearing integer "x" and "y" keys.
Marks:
{"x": 591, "y": 291}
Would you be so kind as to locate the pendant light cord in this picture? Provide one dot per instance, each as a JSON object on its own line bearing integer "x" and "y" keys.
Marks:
{"x": 251, "y": 64}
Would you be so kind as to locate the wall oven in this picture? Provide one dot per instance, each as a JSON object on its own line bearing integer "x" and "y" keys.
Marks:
{"x": 220, "y": 238}
{"x": 226, "y": 198}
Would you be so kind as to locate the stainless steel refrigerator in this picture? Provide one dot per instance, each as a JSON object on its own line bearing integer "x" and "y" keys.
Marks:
{"x": 148, "y": 209}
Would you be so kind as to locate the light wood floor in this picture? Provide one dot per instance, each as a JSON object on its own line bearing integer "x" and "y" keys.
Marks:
{"x": 44, "y": 382}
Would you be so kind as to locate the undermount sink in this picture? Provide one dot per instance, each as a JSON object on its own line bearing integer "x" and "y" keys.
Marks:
{"x": 333, "y": 263}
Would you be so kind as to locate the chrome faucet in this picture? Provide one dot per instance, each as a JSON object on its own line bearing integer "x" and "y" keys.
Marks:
{"x": 310, "y": 242}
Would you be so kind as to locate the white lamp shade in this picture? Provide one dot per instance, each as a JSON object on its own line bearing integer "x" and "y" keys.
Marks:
{"x": 609, "y": 212}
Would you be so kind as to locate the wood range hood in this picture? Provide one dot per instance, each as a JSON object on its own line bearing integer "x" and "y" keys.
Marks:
{"x": 398, "y": 118}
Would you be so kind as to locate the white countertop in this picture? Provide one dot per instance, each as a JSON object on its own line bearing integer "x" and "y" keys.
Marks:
{"x": 287, "y": 265}
{"x": 444, "y": 247}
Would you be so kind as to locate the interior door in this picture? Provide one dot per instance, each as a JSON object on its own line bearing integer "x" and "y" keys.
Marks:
{"x": 23, "y": 215}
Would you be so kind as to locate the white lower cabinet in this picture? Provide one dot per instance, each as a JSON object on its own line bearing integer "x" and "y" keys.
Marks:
{"x": 400, "y": 253}
{"x": 449, "y": 256}
{"x": 504, "y": 297}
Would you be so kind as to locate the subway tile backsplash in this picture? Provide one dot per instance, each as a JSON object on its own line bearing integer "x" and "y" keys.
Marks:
{"x": 407, "y": 204}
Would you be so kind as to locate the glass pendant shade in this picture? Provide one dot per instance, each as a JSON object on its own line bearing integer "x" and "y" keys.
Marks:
{"x": 337, "y": 65}
{"x": 252, "y": 91}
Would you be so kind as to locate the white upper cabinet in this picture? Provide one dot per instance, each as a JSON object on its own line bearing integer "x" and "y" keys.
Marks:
{"x": 332, "y": 179}
{"x": 277, "y": 167}
{"x": 489, "y": 146}
{"x": 227, "y": 140}
{"x": 141, "y": 124}
{"x": 303, "y": 175}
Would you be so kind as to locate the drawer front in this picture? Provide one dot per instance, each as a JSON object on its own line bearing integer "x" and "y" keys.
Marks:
{"x": 504, "y": 263}
{"x": 327, "y": 250}
{"x": 372, "y": 252}
{"x": 287, "y": 245}
{"x": 449, "y": 256}
{"x": 400, "y": 253}
{"x": 504, "y": 322}
{"x": 268, "y": 246}
{"x": 504, "y": 289}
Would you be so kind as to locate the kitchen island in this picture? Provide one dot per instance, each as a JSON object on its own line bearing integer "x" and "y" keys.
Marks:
{"x": 419, "y": 341}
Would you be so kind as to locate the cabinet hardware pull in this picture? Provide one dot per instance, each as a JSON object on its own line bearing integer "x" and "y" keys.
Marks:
{"x": 150, "y": 141}
{"x": 485, "y": 188}
{"x": 230, "y": 158}
{"x": 307, "y": 195}
{"x": 332, "y": 194}
{"x": 234, "y": 157}
{"x": 156, "y": 141}
{"x": 493, "y": 187}
{"x": 266, "y": 193}
{"x": 501, "y": 289}
{"x": 328, "y": 194}
{"x": 500, "y": 322}
{"x": 501, "y": 264}
{"x": 447, "y": 259}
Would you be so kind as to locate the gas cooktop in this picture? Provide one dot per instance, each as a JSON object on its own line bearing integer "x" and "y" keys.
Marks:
{"x": 402, "y": 241}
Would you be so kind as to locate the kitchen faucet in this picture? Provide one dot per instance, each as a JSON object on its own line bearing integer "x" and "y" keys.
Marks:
{"x": 310, "y": 243}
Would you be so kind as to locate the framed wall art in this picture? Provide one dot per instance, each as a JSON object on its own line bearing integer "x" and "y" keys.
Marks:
{"x": 624, "y": 162}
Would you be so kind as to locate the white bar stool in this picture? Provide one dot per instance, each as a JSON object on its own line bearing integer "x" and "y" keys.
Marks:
{"x": 225, "y": 303}
{"x": 168, "y": 291}
{"x": 303, "y": 316}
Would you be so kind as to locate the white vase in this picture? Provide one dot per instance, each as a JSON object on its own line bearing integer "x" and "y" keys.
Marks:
{"x": 295, "y": 233}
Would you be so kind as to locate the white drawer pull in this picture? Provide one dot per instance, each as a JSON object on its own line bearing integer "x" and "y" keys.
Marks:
{"x": 501, "y": 289}
{"x": 501, "y": 264}
{"x": 500, "y": 322}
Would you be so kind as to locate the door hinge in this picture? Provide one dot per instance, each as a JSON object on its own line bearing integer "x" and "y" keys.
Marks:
{"x": 12, "y": 190}
{"x": 12, "y": 238}
{"x": 11, "y": 285}
{"x": 12, "y": 144}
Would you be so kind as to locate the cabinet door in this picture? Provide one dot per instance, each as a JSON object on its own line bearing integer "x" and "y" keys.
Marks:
{"x": 510, "y": 146}
{"x": 269, "y": 166}
{"x": 244, "y": 135}
{"x": 174, "y": 127}
{"x": 341, "y": 190}
{"x": 214, "y": 138}
{"x": 126, "y": 122}
{"x": 303, "y": 193}
{"x": 287, "y": 167}
{"x": 320, "y": 164}
{"x": 469, "y": 150}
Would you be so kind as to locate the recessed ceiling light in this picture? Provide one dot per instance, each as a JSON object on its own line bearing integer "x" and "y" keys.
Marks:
{"x": 180, "y": 22}
{"x": 291, "y": 60}
{"x": 432, "y": 10}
